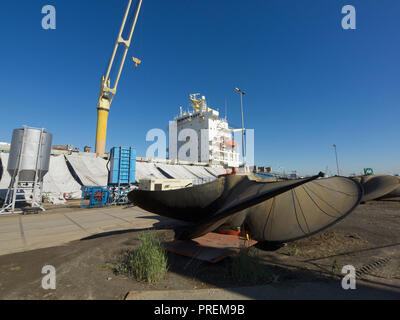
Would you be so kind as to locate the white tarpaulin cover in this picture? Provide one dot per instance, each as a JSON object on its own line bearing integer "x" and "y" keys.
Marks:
{"x": 145, "y": 170}
{"x": 216, "y": 171}
{"x": 199, "y": 172}
{"x": 59, "y": 181}
{"x": 176, "y": 171}
{"x": 89, "y": 169}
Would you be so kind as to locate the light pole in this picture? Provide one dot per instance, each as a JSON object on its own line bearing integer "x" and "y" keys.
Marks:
{"x": 242, "y": 93}
{"x": 337, "y": 161}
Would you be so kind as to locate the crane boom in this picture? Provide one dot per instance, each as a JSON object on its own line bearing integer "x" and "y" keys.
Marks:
{"x": 107, "y": 91}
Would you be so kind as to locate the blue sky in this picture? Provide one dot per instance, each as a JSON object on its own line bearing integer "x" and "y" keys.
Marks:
{"x": 310, "y": 84}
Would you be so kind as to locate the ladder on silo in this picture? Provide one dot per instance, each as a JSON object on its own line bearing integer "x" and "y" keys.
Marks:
{"x": 19, "y": 190}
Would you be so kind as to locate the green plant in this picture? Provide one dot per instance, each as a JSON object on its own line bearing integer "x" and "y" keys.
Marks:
{"x": 148, "y": 262}
{"x": 335, "y": 268}
{"x": 107, "y": 266}
{"x": 294, "y": 251}
{"x": 247, "y": 266}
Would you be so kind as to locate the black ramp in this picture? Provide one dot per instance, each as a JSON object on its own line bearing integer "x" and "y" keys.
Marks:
{"x": 204, "y": 201}
{"x": 188, "y": 204}
{"x": 308, "y": 207}
{"x": 304, "y": 211}
{"x": 272, "y": 211}
{"x": 394, "y": 195}
{"x": 378, "y": 186}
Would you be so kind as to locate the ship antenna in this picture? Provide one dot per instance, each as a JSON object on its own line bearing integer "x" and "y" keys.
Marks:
{"x": 226, "y": 109}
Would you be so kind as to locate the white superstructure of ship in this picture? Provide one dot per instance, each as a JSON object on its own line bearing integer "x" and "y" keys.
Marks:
{"x": 216, "y": 146}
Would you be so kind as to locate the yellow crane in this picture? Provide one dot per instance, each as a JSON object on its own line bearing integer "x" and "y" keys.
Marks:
{"x": 107, "y": 92}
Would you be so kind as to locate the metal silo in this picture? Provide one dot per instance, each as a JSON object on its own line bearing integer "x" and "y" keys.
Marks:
{"x": 32, "y": 148}
{"x": 28, "y": 163}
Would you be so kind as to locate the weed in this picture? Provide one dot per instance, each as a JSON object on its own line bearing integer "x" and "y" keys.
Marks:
{"x": 148, "y": 262}
{"x": 294, "y": 251}
{"x": 107, "y": 266}
{"x": 247, "y": 266}
{"x": 335, "y": 268}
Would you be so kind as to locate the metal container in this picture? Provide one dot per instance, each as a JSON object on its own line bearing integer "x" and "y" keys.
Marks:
{"x": 122, "y": 168}
{"x": 34, "y": 147}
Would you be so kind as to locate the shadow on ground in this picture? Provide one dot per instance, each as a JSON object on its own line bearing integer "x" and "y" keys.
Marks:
{"x": 306, "y": 269}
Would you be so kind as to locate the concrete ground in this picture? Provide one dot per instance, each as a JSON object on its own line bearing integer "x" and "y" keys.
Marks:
{"x": 84, "y": 244}
{"x": 19, "y": 233}
{"x": 297, "y": 291}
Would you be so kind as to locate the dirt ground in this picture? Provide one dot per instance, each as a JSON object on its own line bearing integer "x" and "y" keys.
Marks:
{"x": 368, "y": 239}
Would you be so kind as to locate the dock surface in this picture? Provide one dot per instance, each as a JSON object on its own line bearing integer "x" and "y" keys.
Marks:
{"x": 19, "y": 233}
